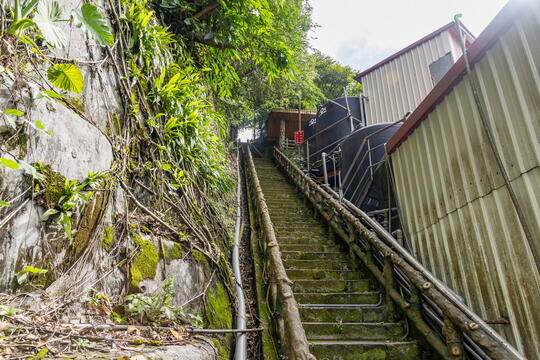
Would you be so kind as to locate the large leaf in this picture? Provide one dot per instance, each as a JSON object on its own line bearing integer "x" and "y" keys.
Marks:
{"x": 49, "y": 12}
{"x": 91, "y": 22}
{"x": 66, "y": 76}
{"x": 9, "y": 163}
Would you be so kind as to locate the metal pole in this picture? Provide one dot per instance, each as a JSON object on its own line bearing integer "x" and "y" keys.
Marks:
{"x": 324, "y": 168}
{"x": 339, "y": 175}
{"x": 348, "y": 109}
{"x": 362, "y": 115}
{"x": 299, "y": 115}
{"x": 307, "y": 155}
{"x": 334, "y": 165}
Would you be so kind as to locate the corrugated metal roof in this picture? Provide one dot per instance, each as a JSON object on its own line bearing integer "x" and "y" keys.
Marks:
{"x": 476, "y": 51}
{"x": 449, "y": 26}
{"x": 457, "y": 212}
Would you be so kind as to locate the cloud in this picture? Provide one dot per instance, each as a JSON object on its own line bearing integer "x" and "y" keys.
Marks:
{"x": 360, "y": 55}
{"x": 361, "y": 33}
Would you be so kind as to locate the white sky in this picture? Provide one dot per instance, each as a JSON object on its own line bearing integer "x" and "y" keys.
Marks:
{"x": 360, "y": 33}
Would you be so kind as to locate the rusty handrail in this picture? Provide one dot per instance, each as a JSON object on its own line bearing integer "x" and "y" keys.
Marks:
{"x": 456, "y": 322}
{"x": 289, "y": 326}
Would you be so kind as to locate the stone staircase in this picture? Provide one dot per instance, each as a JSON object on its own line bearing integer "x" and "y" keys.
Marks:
{"x": 340, "y": 305}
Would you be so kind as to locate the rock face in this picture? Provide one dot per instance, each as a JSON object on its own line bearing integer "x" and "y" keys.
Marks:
{"x": 73, "y": 144}
{"x": 198, "y": 350}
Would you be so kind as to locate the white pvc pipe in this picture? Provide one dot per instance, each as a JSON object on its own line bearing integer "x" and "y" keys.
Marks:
{"x": 240, "y": 352}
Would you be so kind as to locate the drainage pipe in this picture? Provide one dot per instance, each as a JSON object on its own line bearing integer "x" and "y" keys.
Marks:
{"x": 240, "y": 352}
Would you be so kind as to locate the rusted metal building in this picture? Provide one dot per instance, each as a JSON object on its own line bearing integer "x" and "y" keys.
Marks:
{"x": 397, "y": 84}
{"x": 466, "y": 165}
{"x": 286, "y": 122}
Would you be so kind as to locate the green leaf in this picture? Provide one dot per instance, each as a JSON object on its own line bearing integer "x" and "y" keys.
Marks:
{"x": 4, "y": 204}
{"x": 18, "y": 27}
{"x": 9, "y": 163}
{"x": 28, "y": 7}
{"x": 65, "y": 220}
{"x": 49, "y": 12}
{"x": 92, "y": 22}
{"x": 52, "y": 94}
{"x": 34, "y": 270}
{"x": 13, "y": 112}
{"x": 40, "y": 126}
{"x": 66, "y": 76}
{"x": 22, "y": 277}
{"x": 8, "y": 310}
{"x": 48, "y": 213}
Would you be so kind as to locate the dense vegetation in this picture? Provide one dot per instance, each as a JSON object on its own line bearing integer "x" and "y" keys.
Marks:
{"x": 190, "y": 73}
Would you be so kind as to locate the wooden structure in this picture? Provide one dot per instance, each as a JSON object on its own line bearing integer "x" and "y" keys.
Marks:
{"x": 284, "y": 122}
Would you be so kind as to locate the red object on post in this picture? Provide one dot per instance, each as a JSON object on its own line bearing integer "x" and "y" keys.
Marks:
{"x": 298, "y": 137}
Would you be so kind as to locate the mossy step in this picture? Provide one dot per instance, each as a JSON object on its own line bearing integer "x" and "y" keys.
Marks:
{"x": 302, "y": 255}
{"x": 354, "y": 331}
{"x": 365, "y": 350}
{"x": 316, "y": 264}
{"x": 325, "y": 286}
{"x": 368, "y": 297}
{"x": 360, "y": 313}
{"x": 299, "y": 214}
{"x": 302, "y": 232}
{"x": 287, "y": 238}
{"x": 317, "y": 274}
{"x": 312, "y": 247}
{"x": 295, "y": 223}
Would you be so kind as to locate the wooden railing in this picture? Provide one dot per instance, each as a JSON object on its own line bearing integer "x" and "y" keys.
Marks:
{"x": 287, "y": 321}
{"x": 458, "y": 321}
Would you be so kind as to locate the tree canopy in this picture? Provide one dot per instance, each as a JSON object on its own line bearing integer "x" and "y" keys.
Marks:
{"x": 256, "y": 54}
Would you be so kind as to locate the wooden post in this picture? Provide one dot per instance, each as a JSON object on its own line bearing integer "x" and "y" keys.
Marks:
{"x": 454, "y": 339}
{"x": 388, "y": 274}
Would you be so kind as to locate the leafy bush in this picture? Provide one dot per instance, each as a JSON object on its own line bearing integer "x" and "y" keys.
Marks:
{"x": 154, "y": 308}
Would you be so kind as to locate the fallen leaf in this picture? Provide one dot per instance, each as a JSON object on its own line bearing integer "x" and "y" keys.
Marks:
{"x": 176, "y": 334}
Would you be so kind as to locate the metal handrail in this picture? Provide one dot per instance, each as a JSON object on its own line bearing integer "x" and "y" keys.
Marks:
{"x": 291, "y": 332}
{"x": 458, "y": 319}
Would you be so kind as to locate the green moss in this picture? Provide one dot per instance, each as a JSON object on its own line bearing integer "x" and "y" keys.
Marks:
{"x": 108, "y": 239}
{"x": 177, "y": 251}
{"x": 54, "y": 187}
{"x": 145, "y": 263}
{"x": 198, "y": 256}
{"x": 223, "y": 352}
{"x": 218, "y": 308}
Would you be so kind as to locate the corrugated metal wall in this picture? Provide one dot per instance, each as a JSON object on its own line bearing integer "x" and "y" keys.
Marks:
{"x": 457, "y": 212}
{"x": 400, "y": 85}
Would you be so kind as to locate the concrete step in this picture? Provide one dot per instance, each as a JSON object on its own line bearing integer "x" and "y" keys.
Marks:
{"x": 316, "y": 264}
{"x": 354, "y": 331}
{"x": 315, "y": 243}
{"x": 302, "y": 255}
{"x": 366, "y": 297}
{"x": 335, "y": 286}
{"x": 358, "y": 313}
{"x": 365, "y": 350}
{"x": 318, "y": 274}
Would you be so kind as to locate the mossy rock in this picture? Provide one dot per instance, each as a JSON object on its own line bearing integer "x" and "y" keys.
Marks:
{"x": 108, "y": 238}
{"x": 218, "y": 308}
{"x": 54, "y": 187}
{"x": 145, "y": 263}
{"x": 222, "y": 350}
{"x": 176, "y": 251}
